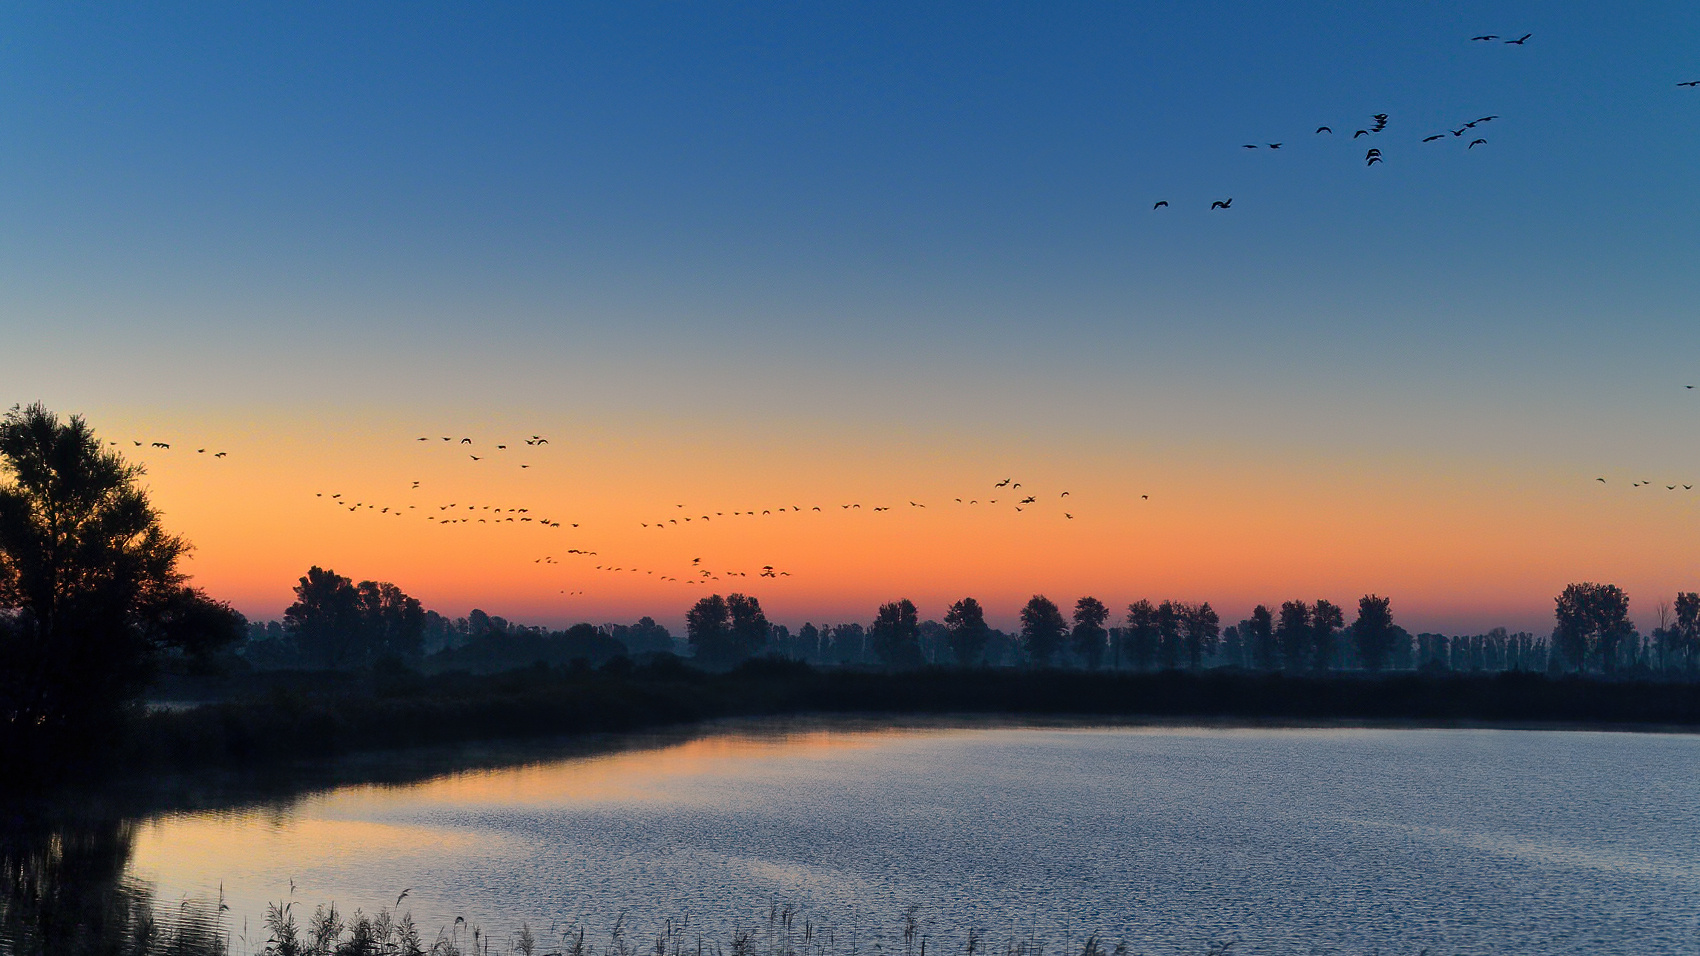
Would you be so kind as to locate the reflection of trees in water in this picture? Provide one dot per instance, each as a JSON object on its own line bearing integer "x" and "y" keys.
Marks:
{"x": 63, "y": 892}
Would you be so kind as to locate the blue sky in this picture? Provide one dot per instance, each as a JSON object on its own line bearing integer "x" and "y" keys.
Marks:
{"x": 862, "y": 220}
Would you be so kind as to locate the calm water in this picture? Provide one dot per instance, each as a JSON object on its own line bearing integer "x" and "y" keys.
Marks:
{"x": 1286, "y": 840}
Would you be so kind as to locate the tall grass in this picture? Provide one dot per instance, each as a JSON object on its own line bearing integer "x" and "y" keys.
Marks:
{"x": 786, "y": 931}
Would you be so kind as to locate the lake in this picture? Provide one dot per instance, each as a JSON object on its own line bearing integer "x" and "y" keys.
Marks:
{"x": 1170, "y": 839}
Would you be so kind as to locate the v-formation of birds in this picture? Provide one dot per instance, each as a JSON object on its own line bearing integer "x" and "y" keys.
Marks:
{"x": 1378, "y": 123}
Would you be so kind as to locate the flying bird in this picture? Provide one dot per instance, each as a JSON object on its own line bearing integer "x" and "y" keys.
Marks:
{"x": 1361, "y": 132}
{"x": 1159, "y": 204}
{"x": 1476, "y": 142}
{"x": 1489, "y": 36}
{"x": 1520, "y": 40}
{"x": 1248, "y": 146}
{"x": 1324, "y": 129}
{"x": 1430, "y": 139}
{"x": 1274, "y": 145}
{"x": 1486, "y": 119}
{"x": 1222, "y": 203}
{"x": 1690, "y": 83}
{"x": 1600, "y": 480}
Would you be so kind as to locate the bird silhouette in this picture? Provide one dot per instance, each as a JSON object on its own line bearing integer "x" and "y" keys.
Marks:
{"x": 1430, "y": 139}
{"x": 1159, "y": 204}
{"x": 1476, "y": 142}
{"x": 475, "y": 458}
{"x": 1361, "y": 132}
{"x": 1248, "y": 146}
{"x": 1324, "y": 129}
{"x": 1274, "y": 145}
{"x": 1222, "y": 203}
{"x": 220, "y": 454}
{"x": 1520, "y": 40}
{"x": 1063, "y": 495}
{"x": 160, "y": 444}
{"x": 1488, "y": 119}
{"x": 1068, "y": 516}
{"x": 1488, "y": 36}
{"x": 1002, "y": 483}
{"x": 1690, "y": 83}
{"x": 1600, "y": 480}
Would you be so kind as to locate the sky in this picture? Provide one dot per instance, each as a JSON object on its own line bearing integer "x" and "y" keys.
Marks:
{"x": 744, "y": 257}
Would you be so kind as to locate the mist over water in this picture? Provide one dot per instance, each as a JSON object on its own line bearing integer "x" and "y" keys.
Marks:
{"x": 1285, "y": 840}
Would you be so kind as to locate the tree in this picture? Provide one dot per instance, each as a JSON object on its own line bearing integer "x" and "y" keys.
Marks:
{"x": 1141, "y": 634}
{"x": 749, "y": 627}
{"x": 1089, "y": 635}
{"x": 1042, "y": 629}
{"x": 1373, "y": 631}
{"x": 337, "y": 624}
{"x": 90, "y": 589}
{"x": 647, "y": 637}
{"x": 896, "y": 634}
{"x": 1168, "y": 620}
{"x": 1259, "y": 635}
{"x": 1687, "y": 625}
{"x": 1293, "y": 634}
{"x": 1203, "y": 627}
{"x": 968, "y": 631}
{"x": 1591, "y": 618}
{"x": 708, "y": 628}
{"x": 1325, "y": 619}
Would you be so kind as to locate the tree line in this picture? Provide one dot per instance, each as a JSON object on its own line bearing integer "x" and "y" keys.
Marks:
{"x": 1592, "y": 633}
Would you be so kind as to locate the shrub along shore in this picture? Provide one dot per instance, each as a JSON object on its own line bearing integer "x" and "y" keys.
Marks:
{"x": 299, "y": 718}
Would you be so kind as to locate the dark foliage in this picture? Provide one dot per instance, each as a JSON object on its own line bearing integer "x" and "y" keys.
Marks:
{"x": 91, "y": 597}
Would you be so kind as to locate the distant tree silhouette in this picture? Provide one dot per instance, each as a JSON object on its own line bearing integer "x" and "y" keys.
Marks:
{"x": 808, "y": 642}
{"x": 749, "y": 627}
{"x": 968, "y": 631}
{"x": 1325, "y": 622}
{"x": 1294, "y": 635}
{"x": 1042, "y": 629}
{"x": 896, "y": 634}
{"x": 336, "y": 623}
{"x": 1372, "y": 632}
{"x": 1168, "y": 620}
{"x": 848, "y": 643}
{"x": 1203, "y": 627}
{"x": 1592, "y": 619}
{"x": 645, "y": 637}
{"x": 1687, "y": 627}
{"x": 1141, "y": 634}
{"x": 1089, "y": 635}
{"x": 726, "y": 630}
{"x": 1259, "y": 635}
{"x": 708, "y": 628}
{"x": 90, "y": 590}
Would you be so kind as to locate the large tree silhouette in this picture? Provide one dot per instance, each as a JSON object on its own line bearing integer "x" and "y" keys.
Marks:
{"x": 1203, "y": 627}
{"x": 89, "y": 577}
{"x": 337, "y": 623}
{"x": 896, "y": 634}
{"x": 726, "y": 630}
{"x": 1089, "y": 635}
{"x": 1373, "y": 631}
{"x": 968, "y": 631}
{"x": 1141, "y": 634}
{"x": 1326, "y": 619}
{"x": 1259, "y": 635}
{"x": 1592, "y": 619}
{"x": 1042, "y": 629}
{"x": 1293, "y": 634}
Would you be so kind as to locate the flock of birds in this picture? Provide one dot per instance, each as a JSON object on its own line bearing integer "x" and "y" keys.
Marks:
{"x": 532, "y": 442}
{"x": 166, "y": 446}
{"x": 1020, "y": 505}
{"x": 1378, "y": 124}
{"x": 1648, "y": 482}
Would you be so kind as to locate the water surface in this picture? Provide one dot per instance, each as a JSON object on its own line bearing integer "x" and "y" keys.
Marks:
{"x": 1284, "y": 840}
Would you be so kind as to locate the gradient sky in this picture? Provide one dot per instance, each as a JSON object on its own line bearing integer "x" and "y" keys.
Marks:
{"x": 743, "y": 256}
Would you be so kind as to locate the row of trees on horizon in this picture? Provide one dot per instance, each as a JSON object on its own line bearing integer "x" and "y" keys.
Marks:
{"x": 338, "y": 623}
